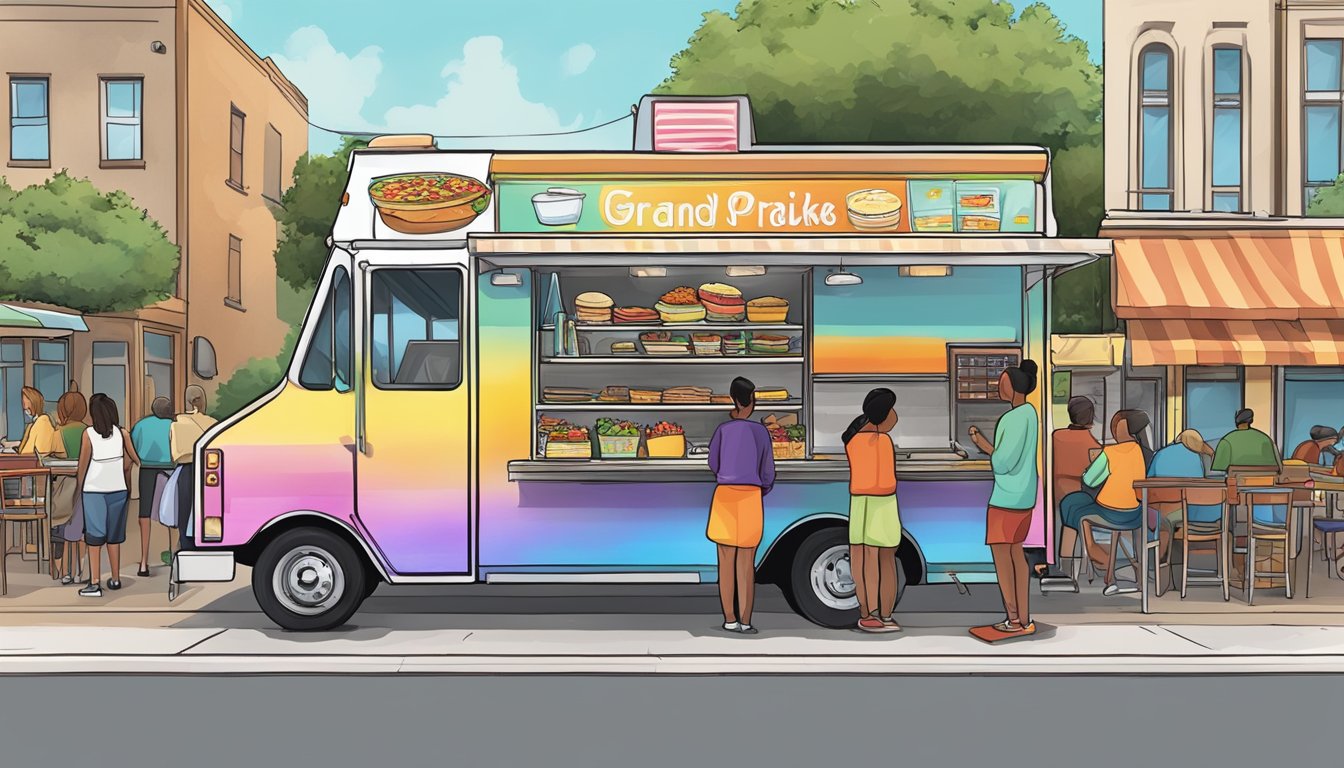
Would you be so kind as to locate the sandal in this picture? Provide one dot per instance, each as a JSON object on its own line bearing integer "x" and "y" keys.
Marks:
{"x": 114, "y": 583}
{"x": 143, "y": 572}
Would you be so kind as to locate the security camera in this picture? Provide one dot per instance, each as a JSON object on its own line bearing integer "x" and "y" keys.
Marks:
{"x": 158, "y": 47}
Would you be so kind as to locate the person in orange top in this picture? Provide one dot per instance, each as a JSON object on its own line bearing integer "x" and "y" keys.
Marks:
{"x": 874, "y": 517}
{"x": 1322, "y": 439}
{"x": 1114, "y": 471}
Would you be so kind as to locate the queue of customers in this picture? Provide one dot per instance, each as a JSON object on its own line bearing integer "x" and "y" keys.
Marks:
{"x": 89, "y": 510}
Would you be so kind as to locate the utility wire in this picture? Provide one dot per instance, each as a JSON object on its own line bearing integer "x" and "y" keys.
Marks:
{"x": 363, "y": 134}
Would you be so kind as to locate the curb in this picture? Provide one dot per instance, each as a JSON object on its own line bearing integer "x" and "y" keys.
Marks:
{"x": 669, "y": 665}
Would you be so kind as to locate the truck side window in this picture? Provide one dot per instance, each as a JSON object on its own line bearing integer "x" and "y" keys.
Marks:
{"x": 416, "y": 328}
{"x": 329, "y": 363}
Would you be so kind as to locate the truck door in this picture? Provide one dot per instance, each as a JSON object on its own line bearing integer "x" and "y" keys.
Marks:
{"x": 413, "y": 468}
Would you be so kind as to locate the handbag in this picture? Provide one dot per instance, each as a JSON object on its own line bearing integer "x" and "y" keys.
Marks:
{"x": 167, "y": 511}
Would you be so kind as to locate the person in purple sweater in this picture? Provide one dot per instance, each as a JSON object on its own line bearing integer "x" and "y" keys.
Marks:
{"x": 744, "y": 468}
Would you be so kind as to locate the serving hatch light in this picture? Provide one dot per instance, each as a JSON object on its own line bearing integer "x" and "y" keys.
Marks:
{"x": 648, "y": 271}
{"x": 745, "y": 271}
{"x": 926, "y": 270}
{"x": 843, "y": 278}
{"x": 512, "y": 279}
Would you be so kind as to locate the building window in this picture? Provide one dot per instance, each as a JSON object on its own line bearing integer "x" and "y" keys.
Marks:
{"x": 11, "y": 390}
{"x": 29, "y": 121}
{"x": 1310, "y": 397}
{"x": 110, "y": 367}
{"x": 1213, "y": 396}
{"x": 1321, "y": 116}
{"x": 274, "y": 171}
{"x": 158, "y": 366}
{"x": 1156, "y": 188}
{"x": 1225, "y": 140}
{"x": 51, "y": 370}
{"x": 234, "y": 298}
{"x": 122, "y": 119}
{"x": 236, "y": 122}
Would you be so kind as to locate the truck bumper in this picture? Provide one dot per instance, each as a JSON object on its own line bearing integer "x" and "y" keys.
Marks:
{"x": 200, "y": 566}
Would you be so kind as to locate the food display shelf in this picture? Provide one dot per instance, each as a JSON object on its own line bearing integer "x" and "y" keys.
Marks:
{"x": 675, "y": 360}
{"x": 648, "y": 407}
{"x": 700, "y": 326}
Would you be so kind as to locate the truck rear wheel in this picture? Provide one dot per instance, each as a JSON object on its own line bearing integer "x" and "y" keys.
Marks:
{"x": 820, "y": 586}
{"x": 309, "y": 580}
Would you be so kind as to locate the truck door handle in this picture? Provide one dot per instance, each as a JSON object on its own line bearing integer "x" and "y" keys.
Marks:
{"x": 349, "y": 443}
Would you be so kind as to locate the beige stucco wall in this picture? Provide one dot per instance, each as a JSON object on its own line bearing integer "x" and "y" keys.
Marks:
{"x": 73, "y": 46}
{"x": 222, "y": 72}
{"x": 1191, "y": 28}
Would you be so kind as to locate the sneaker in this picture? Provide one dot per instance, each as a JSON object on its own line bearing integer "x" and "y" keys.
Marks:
{"x": 731, "y": 626}
{"x": 92, "y": 590}
{"x": 872, "y": 624}
{"x": 890, "y": 624}
{"x": 747, "y": 629}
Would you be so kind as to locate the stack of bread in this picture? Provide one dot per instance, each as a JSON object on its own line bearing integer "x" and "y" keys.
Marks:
{"x": 593, "y": 307}
{"x": 768, "y": 309}
{"x": 688, "y": 395}
{"x": 635, "y": 316}
{"x": 723, "y": 303}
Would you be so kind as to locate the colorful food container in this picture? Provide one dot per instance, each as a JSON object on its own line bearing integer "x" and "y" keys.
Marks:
{"x": 667, "y": 447}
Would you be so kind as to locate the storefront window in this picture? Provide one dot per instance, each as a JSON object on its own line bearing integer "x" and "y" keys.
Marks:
{"x": 1321, "y": 104}
{"x": 1225, "y": 149}
{"x": 51, "y": 370}
{"x": 1155, "y": 129}
{"x": 1311, "y": 396}
{"x": 159, "y": 366}
{"x": 1212, "y": 398}
{"x": 109, "y": 372}
{"x": 11, "y": 388}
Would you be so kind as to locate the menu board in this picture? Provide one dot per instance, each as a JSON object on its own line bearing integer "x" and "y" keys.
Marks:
{"x": 978, "y": 371}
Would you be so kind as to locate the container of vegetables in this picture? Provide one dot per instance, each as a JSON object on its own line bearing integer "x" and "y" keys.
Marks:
{"x": 665, "y": 440}
{"x": 788, "y": 442}
{"x": 617, "y": 439}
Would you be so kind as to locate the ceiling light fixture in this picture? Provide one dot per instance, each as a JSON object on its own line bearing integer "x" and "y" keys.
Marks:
{"x": 648, "y": 271}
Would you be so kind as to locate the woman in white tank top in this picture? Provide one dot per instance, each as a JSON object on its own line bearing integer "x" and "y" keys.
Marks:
{"x": 105, "y": 458}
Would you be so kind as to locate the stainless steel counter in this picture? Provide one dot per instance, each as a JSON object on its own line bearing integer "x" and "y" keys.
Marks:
{"x": 697, "y": 471}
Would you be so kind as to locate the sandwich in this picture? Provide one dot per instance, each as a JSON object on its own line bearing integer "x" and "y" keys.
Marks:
{"x": 768, "y": 344}
{"x": 567, "y": 395}
{"x": 614, "y": 395}
{"x": 680, "y": 305}
{"x": 593, "y": 307}
{"x": 624, "y": 348}
{"x": 646, "y": 396}
{"x": 688, "y": 395}
{"x": 707, "y": 344}
{"x": 734, "y": 344}
{"x": 723, "y": 303}
{"x": 635, "y": 315}
{"x": 767, "y": 309}
{"x": 772, "y": 394}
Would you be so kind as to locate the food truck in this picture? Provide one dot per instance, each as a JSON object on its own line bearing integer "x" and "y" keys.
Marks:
{"x": 514, "y": 362}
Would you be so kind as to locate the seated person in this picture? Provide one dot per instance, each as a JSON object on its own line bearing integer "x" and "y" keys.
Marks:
{"x": 1319, "y": 446}
{"x": 1183, "y": 458}
{"x": 1115, "y": 470}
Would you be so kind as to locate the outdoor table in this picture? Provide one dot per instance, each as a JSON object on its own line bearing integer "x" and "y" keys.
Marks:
{"x": 1169, "y": 483}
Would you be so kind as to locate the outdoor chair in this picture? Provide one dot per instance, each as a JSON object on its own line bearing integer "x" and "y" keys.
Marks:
{"x": 1263, "y": 526}
{"x": 1328, "y": 528}
{"x": 1203, "y": 530}
{"x": 27, "y": 511}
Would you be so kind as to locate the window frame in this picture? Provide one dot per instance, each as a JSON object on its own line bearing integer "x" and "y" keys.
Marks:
{"x": 63, "y": 363}
{"x": 328, "y": 313}
{"x": 273, "y": 194}
{"x": 1156, "y": 99}
{"x": 233, "y": 280}
{"x": 104, "y": 120}
{"x": 1310, "y": 98}
{"x": 462, "y": 356}
{"x": 1227, "y": 102}
{"x": 146, "y": 360}
{"x": 122, "y": 361}
{"x": 27, "y": 79}
{"x": 237, "y": 184}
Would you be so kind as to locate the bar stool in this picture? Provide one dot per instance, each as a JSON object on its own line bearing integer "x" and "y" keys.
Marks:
{"x": 1259, "y": 529}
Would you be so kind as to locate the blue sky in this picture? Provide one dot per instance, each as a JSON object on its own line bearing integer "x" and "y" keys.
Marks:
{"x": 491, "y": 66}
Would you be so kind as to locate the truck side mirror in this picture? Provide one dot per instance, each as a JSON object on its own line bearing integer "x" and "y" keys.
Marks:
{"x": 203, "y": 358}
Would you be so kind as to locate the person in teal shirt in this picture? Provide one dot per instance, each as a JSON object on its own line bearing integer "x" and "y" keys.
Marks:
{"x": 1011, "y": 504}
{"x": 149, "y": 437}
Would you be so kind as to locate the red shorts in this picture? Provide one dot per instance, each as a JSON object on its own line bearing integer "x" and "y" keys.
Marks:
{"x": 1007, "y": 526}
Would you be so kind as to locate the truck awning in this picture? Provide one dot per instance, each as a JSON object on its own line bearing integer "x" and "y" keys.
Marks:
{"x": 820, "y": 250}
{"x": 43, "y": 323}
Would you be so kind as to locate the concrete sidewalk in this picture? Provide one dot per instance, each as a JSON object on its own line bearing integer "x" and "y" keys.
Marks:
{"x": 1092, "y": 649}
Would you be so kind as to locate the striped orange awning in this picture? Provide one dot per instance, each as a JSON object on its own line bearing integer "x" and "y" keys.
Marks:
{"x": 1174, "y": 341}
{"x": 1265, "y": 274}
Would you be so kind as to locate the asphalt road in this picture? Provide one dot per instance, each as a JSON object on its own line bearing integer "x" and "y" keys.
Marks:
{"x": 669, "y": 721}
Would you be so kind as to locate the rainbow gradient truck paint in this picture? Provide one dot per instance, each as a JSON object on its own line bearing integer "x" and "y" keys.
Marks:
{"x": 410, "y": 440}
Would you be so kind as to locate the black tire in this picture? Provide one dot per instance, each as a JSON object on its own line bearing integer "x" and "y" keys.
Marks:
{"x": 805, "y": 595}
{"x": 312, "y": 549}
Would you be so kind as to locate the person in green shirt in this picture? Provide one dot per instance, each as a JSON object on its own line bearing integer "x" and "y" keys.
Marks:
{"x": 1245, "y": 446}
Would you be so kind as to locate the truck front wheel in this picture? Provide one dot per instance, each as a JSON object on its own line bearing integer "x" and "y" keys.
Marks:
{"x": 820, "y": 586}
{"x": 309, "y": 580}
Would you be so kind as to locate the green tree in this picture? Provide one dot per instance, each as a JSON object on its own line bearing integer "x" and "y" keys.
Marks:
{"x": 913, "y": 71}
{"x": 307, "y": 211}
{"x": 1328, "y": 201}
{"x": 64, "y": 242}
{"x": 253, "y": 379}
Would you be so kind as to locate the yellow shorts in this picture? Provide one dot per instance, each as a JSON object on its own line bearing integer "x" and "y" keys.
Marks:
{"x": 736, "y": 516}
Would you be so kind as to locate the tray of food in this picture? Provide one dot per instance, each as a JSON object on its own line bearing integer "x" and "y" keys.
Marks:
{"x": 617, "y": 439}
{"x": 680, "y": 305}
{"x": 665, "y": 440}
{"x": 428, "y": 203}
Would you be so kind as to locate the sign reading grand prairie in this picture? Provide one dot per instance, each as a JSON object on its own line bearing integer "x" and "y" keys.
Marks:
{"x": 853, "y": 205}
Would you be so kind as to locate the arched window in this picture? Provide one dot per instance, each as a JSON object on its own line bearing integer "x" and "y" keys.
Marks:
{"x": 1156, "y": 175}
{"x": 1225, "y": 139}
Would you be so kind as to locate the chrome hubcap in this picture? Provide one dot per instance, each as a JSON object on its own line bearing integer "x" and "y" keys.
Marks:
{"x": 832, "y": 581}
{"x": 308, "y": 581}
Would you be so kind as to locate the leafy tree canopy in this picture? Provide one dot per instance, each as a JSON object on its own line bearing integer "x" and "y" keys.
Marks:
{"x": 65, "y": 242}
{"x": 308, "y": 209}
{"x": 1328, "y": 201}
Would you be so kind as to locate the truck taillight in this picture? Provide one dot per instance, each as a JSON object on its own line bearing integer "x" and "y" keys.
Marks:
{"x": 212, "y": 529}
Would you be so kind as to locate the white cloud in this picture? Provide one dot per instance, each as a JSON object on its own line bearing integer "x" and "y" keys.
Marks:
{"x": 224, "y": 10}
{"x": 577, "y": 59}
{"x": 483, "y": 97}
{"x": 337, "y": 85}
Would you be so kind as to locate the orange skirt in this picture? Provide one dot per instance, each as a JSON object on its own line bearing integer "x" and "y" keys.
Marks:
{"x": 736, "y": 516}
{"x": 1007, "y": 526}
